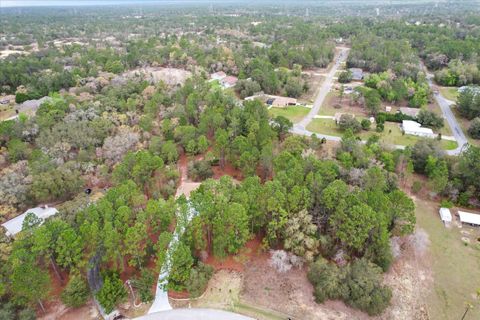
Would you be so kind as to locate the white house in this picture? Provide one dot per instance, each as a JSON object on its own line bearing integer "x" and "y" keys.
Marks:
{"x": 14, "y": 225}
{"x": 470, "y": 218}
{"x": 445, "y": 215}
{"x": 416, "y": 129}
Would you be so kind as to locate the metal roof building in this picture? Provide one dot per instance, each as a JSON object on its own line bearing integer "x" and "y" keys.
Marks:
{"x": 445, "y": 215}
{"x": 470, "y": 218}
{"x": 14, "y": 225}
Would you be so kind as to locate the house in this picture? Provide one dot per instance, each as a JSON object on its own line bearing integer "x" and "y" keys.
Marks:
{"x": 277, "y": 101}
{"x": 445, "y": 215}
{"x": 469, "y": 218}
{"x": 14, "y": 225}
{"x": 412, "y": 112}
{"x": 416, "y": 129}
{"x": 218, "y": 76}
{"x": 229, "y": 82}
{"x": 357, "y": 74}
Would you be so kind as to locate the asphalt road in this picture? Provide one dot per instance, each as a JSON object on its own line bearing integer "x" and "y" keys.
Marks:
{"x": 445, "y": 105}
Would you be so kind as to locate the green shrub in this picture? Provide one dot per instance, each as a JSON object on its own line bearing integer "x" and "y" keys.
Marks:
{"x": 76, "y": 292}
{"x": 199, "y": 278}
{"x": 144, "y": 285}
{"x": 112, "y": 292}
{"x": 200, "y": 170}
{"x": 446, "y": 204}
{"x": 365, "y": 124}
{"x": 416, "y": 186}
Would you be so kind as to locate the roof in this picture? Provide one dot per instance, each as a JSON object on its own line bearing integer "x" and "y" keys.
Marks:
{"x": 218, "y": 75}
{"x": 410, "y": 126}
{"x": 468, "y": 217}
{"x": 14, "y": 225}
{"x": 445, "y": 214}
{"x": 412, "y": 112}
{"x": 283, "y": 101}
{"x": 231, "y": 80}
{"x": 357, "y": 73}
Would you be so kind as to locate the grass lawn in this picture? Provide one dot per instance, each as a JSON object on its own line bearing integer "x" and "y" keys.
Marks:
{"x": 391, "y": 135}
{"x": 451, "y": 93}
{"x": 294, "y": 113}
{"x": 455, "y": 267}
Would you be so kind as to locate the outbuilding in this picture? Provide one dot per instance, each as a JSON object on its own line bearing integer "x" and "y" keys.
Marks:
{"x": 445, "y": 215}
{"x": 14, "y": 225}
{"x": 357, "y": 74}
{"x": 416, "y": 129}
{"x": 469, "y": 218}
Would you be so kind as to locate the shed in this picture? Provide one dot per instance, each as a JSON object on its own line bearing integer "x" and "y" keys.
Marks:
{"x": 14, "y": 225}
{"x": 416, "y": 129}
{"x": 445, "y": 215}
{"x": 357, "y": 74}
{"x": 470, "y": 218}
{"x": 412, "y": 112}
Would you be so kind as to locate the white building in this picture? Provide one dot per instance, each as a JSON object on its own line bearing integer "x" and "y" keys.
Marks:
{"x": 416, "y": 129}
{"x": 470, "y": 218}
{"x": 14, "y": 225}
{"x": 445, "y": 215}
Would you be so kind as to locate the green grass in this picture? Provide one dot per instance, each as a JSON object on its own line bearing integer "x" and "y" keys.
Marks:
{"x": 391, "y": 135}
{"x": 294, "y": 113}
{"x": 448, "y": 145}
{"x": 451, "y": 93}
{"x": 455, "y": 267}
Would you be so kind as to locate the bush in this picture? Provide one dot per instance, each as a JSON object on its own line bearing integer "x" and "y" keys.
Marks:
{"x": 358, "y": 285}
{"x": 395, "y": 117}
{"x": 349, "y": 122}
{"x": 76, "y": 292}
{"x": 144, "y": 285}
{"x": 474, "y": 129}
{"x": 327, "y": 281}
{"x": 365, "y": 291}
{"x": 345, "y": 76}
{"x": 365, "y": 124}
{"x": 112, "y": 292}
{"x": 200, "y": 170}
{"x": 446, "y": 204}
{"x": 199, "y": 277}
{"x": 380, "y": 127}
{"x": 430, "y": 119}
{"x": 416, "y": 186}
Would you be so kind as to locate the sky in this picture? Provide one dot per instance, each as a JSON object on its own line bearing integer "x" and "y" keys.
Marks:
{"x": 30, "y": 3}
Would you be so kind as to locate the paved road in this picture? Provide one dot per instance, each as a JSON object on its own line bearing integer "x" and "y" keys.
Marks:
{"x": 445, "y": 104}
{"x": 324, "y": 89}
{"x": 194, "y": 314}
